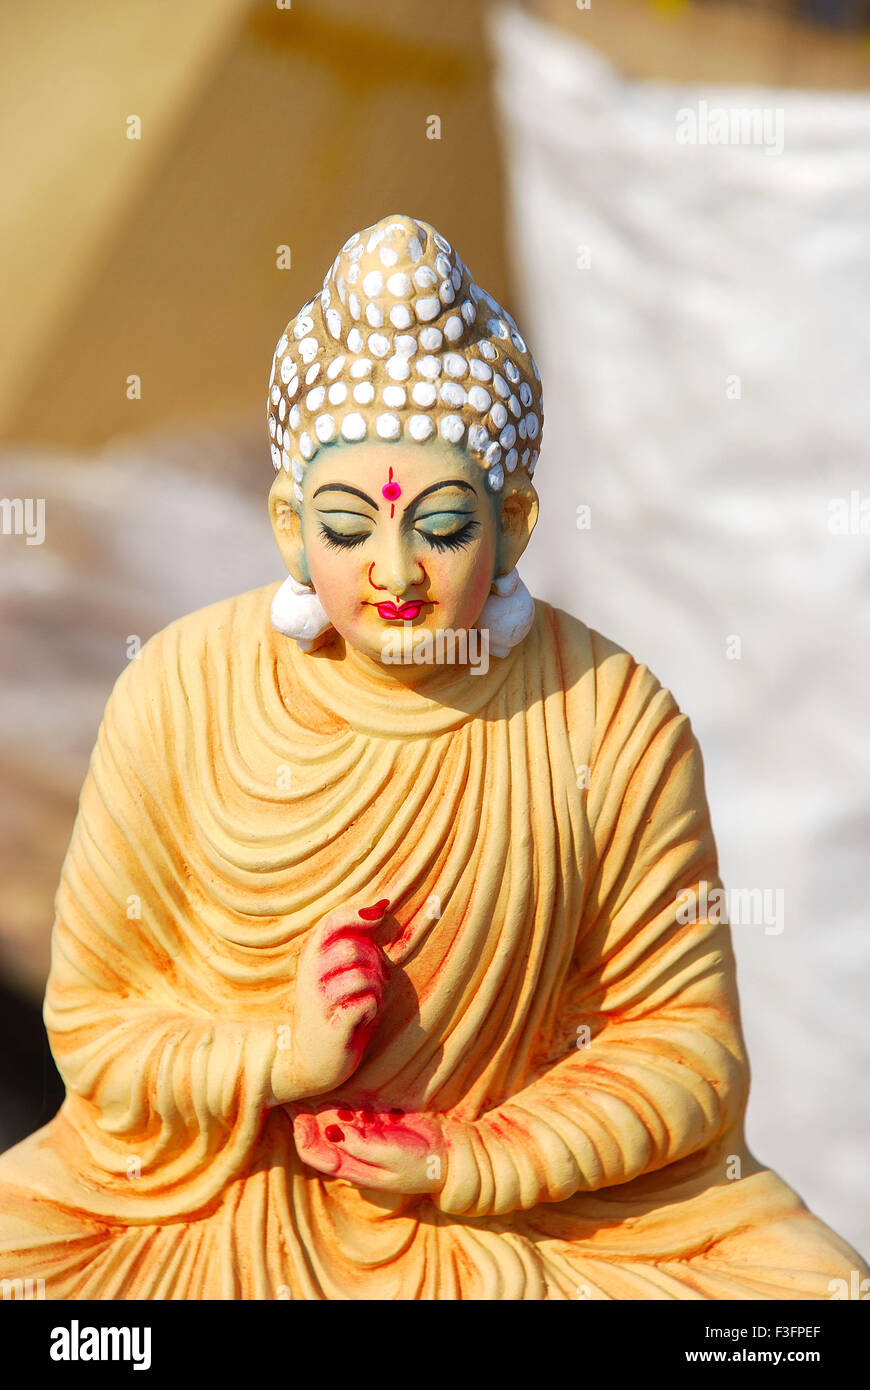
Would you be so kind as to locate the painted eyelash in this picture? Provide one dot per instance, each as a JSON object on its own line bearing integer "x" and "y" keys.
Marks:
{"x": 457, "y": 541}
{"x": 338, "y": 542}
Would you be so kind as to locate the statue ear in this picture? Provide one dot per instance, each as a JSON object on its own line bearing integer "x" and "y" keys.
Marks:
{"x": 285, "y": 515}
{"x": 519, "y": 513}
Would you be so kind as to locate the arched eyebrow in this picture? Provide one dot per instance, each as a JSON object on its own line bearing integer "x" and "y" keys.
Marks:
{"x": 436, "y": 487}
{"x": 345, "y": 487}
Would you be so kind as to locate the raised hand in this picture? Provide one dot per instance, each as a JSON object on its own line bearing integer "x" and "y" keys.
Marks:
{"x": 339, "y": 989}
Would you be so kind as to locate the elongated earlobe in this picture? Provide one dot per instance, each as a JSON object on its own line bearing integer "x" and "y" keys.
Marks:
{"x": 297, "y": 612}
{"x": 508, "y": 614}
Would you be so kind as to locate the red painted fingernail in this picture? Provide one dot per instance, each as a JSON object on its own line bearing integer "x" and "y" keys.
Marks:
{"x": 333, "y": 1134}
{"x": 371, "y": 914}
{"x": 344, "y": 1115}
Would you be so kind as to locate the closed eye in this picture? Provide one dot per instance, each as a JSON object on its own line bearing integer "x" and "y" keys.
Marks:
{"x": 450, "y": 540}
{"x": 340, "y": 542}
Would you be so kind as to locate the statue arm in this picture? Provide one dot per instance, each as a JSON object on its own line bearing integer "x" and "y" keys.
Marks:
{"x": 660, "y": 1071}
{"x": 157, "y": 1072}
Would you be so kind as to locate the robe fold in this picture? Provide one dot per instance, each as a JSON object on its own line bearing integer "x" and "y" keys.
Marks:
{"x": 534, "y": 827}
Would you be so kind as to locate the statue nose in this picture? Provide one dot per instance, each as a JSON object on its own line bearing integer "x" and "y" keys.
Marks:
{"x": 396, "y": 579}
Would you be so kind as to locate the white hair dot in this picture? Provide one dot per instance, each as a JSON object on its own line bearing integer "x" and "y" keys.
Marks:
{"x": 353, "y": 426}
{"x": 446, "y": 292}
{"x": 282, "y": 345}
{"x": 453, "y": 394}
{"x": 337, "y": 393}
{"x": 511, "y": 371}
{"x": 427, "y": 309}
{"x": 442, "y": 243}
{"x": 333, "y": 322}
{"x": 508, "y": 437}
{"x": 495, "y": 478}
{"x": 511, "y": 458}
{"x": 354, "y": 305}
{"x": 482, "y": 371}
{"x": 275, "y": 394}
{"x": 374, "y": 316}
{"x": 478, "y": 437}
{"x": 425, "y": 277}
{"x": 312, "y": 374}
{"x": 453, "y": 328}
{"x": 400, "y": 285}
{"x": 324, "y": 428}
{"x": 302, "y": 326}
{"x": 532, "y": 425}
{"x": 282, "y": 408}
{"x": 397, "y": 368}
{"x": 424, "y": 393}
{"x": 306, "y": 445}
{"x": 379, "y": 344}
{"x": 431, "y": 339}
{"x": 499, "y": 415}
{"x": 492, "y": 453}
{"x": 452, "y": 428}
{"x": 401, "y": 316}
{"x": 364, "y": 394}
{"x": 429, "y": 366}
{"x": 388, "y": 426}
{"x": 297, "y": 492}
{"x": 355, "y": 340}
{"x": 276, "y": 456}
{"x": 394, "y": 397}
{"x": 420, "y": 427}
{"x": 314, "y": 400}
{"x": 294, "y": 419}
{"x": 308, "y": 349}
{"x": 288, "y": 367}
{"x": 388, "y": 255}
{"x": 362, "y": 367}
{"x": 335, "y": 367}
{"x": 373, "y": 284}
{"x": 487, "y": 350}
{"x": 455, "y": 364}
{"x": 297, "y": 469}
{"x": 405, "y": 344}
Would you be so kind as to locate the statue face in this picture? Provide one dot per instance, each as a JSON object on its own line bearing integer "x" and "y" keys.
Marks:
{"x": 396, "y": 536}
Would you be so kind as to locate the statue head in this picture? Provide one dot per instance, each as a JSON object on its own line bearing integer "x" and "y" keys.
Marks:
{"x": 405, "y": 418}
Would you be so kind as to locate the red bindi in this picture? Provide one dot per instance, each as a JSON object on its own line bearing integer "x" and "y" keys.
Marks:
{"x": 391, "y": 491}
{"x": 333, "y": 1134}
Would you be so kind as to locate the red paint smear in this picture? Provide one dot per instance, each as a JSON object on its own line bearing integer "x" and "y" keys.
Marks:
{"x": 371, "y": 914}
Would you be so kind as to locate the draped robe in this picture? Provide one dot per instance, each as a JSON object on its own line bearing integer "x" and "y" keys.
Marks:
{"x": 533, "y": 826}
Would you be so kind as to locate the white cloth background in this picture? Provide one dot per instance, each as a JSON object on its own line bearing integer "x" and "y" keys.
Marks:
{"x": 651, "y": 272}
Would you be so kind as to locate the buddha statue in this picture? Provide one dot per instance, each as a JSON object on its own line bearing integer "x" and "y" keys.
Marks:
{"x": 369, "y": 977}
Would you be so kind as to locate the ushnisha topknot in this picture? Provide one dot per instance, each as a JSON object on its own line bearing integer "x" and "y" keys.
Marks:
{"x": 401, "y": 344}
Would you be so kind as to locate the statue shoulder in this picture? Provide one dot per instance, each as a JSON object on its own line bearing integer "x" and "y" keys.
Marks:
{"x": 605, "y": 686}
{"x": 174, "y": 656}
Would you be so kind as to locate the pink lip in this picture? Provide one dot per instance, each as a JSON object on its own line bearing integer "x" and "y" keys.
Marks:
{"x": 406, "y": 611}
